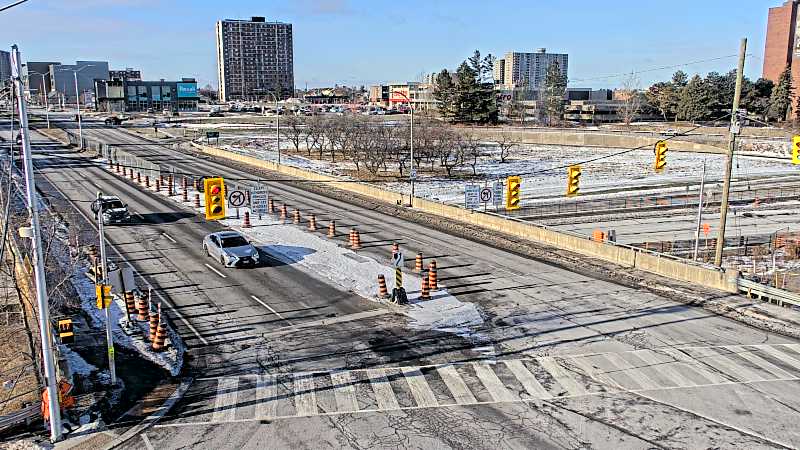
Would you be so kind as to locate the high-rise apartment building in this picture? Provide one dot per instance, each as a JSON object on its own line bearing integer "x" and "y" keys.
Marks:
{"x": 782, "y": 45}
{"x": 5, "y": 67}
{"x": 254, "y": 59}
{"x": 530, "y": 69}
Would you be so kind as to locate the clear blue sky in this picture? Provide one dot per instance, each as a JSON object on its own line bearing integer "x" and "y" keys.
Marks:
{"x": 370, "y": 41}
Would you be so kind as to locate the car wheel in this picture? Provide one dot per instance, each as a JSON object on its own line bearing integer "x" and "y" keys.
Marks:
{"x": 222, "y": 260}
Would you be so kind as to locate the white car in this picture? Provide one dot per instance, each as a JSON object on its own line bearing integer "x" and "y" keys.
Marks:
{"x": 231, "y": 249}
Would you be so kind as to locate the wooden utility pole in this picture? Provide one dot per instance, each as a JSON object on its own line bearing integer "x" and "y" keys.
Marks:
{"x": 734, "y": 130}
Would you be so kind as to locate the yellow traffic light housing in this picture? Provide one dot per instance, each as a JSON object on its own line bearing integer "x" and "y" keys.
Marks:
{"x": 103, "y": 292}
{"x": 65, "y": 332}
{"x": 513, "y": 192}
{"x": 795, "y": 149}
{"x": 661, "y": 156}
{"x": 573, "y": 180}
{"x": 214, "y": 190}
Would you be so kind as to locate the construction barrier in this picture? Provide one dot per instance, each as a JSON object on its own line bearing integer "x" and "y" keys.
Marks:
{"x": 197, "y": 200}
{"x": 246, "y": 221}
{"x": 154, "y": 318}
{"x": 424, "y": 291}
{"x": 271, "y": 206}
{"x": 433, "y": 283}
{"x": 283, "y": 212}
{"x": 332, "y": 229}
{"x": 143, "y": 307}
{"x": 312, "y": 223}
{"x": 356, "y": 240}
{"x": 418, "y": 263}
{"x": 296, "y": 216}
{"x": 383, "y": 291}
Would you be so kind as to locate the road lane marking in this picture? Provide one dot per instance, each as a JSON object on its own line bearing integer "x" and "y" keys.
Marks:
{"x": 270, "y": 308}
{"x": 304, "y": 398}
{"x": 146, "y": 441}
{"x": 457, "y": 386}
{"x": 625, "y": 367}
{"x": 225, "y": 402}
{"x": 529, "y": 382}
{"x": 344, "y": 391}
{"x": 216, "y": 271}
{"x": 422, "y": 393}
{"x": 759, "y": 362}
{"x": 266, "y": 396}
{"x": 795, "y": 363}
{"x": 666, "y": 368}
{"x": 561, "y": 376}
{"x": 384, "y": 395}
{"x": 726, "y": 365}
{"x": 492, "y": 382}
{"x": 170, "y": 238}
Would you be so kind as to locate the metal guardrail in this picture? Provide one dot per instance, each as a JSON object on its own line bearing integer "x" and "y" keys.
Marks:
{"x": 780, "y": 296}
{"x": 23, "y": 415}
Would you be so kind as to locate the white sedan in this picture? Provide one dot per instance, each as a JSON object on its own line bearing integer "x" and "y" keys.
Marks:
{"x": 231, "y": 249}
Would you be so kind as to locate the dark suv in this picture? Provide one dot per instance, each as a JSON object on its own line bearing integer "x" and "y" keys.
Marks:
{"x": 114, "y": 211}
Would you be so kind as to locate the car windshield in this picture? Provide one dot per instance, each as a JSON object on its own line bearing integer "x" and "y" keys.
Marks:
{"x": 234, "y": 241}
{"x": 113, "y": 204}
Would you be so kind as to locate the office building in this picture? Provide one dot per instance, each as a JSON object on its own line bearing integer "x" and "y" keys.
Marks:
{"x": 529, "y": 69}
{"x": 5, "y": 67}
{"x": 33, "y": 71}
{"x": 125, "y": 75}
{"x": 137, "y": 95}
{"x": 782, "y": 46}
{"x": 254, "y": 59}
{"x": 62, "y": 78}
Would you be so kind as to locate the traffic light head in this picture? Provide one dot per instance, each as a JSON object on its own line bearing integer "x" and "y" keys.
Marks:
{"x": 795, "y": 149}
{"x": 513, "y": 192}
{"x": 661, "y": 156}
{"x": 573, "y": 180}
{"x": 214, "y": 189}
{"x": 103, "y": 292}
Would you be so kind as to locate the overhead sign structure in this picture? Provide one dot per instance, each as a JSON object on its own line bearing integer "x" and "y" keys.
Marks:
{"x": 259, "y": 200}
{"x": 472, "y": 196}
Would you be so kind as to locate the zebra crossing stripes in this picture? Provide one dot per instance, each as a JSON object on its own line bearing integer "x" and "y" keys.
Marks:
{"x": 386, "y": 389}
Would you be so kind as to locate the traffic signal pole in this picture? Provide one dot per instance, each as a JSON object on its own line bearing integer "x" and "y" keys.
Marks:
{"x": 38, "y": 259}
{"x": 112, "y": 367}
{"x": 734, "y": 130}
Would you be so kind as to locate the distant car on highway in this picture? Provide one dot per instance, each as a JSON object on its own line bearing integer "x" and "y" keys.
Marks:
{"x": 113, "y": 210}
{"x": 231, "y": 249}
{"x": 216, "y": 114}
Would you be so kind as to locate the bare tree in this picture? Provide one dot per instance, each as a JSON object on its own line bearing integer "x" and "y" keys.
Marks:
{"x": 631, "y": 99}
{"x": 315, "y": 134}
{"x": 506, "y": 142}
{"x": 449, "y": 152}
{"x": 472, "y": 150}
{"x": 294, "y": 130}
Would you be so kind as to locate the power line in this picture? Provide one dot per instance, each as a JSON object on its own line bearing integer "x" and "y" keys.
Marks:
{"x": 12, "y": 5}
{"x": 653, "y": 69}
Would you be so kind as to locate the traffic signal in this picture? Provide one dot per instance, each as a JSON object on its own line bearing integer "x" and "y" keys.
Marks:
{"x": 65, "y": 333}
{"x": 103, "y": 292}
{"x": 214, "y": 190}
{"x": 795, "y": 149}
{"x": 661, "y": 156}
{"x": 573, "y": 180}
{"x": 513, "y": 192}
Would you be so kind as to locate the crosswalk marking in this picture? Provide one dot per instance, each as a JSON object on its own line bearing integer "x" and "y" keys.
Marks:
{"x": 383, "y": 390}
{"x": 721, "y": 361}
{"x": 694, "y": 367}
{"x": 757, "y": 361}
{"x": 305, "y": 400}
{"x": 584, "y": 364}
{"x": 667, "y": 368}
{"x": 492, "y": 382}
{"x": 458, "y": 388}
{"x": 529, "y": 382}
{"x": 344, "y": 391}
{"x": 561, "y": 376}
{"x": 782, "y": 356}
{"x": 266, "y": 396}
{"x": 420, "y": 390}
{"x": 225, "y": 402}
{"x": 635, "y": 374}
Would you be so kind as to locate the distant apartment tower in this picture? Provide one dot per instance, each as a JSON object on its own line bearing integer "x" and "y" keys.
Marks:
{"x": 530, "y": 69}
{"x": 499, "y": 71}
{"x": 782, "y": 45}
{"x": 254, "y": 59}
{"x": 128, "y": 74}
{"x": 5, "y": 67}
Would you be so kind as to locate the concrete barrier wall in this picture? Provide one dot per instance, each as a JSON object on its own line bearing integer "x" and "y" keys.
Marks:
{"x": 622, "y": 256}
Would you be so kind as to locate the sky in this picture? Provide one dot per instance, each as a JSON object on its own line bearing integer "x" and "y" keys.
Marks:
{"x": 355, "y": 42}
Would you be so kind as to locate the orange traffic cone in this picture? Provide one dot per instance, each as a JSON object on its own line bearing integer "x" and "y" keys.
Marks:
{"x": 271, "y": 205}
{"x": 418, "y": 263}
{"x": 153, "y": 325}
{"x": 424, "y": 292}
{"x": 141, "y": 305}
{"x": 352, "y": 236}
{"x": 283, "y": 212}
{"x": 160, "y": 340}
{"x": 383, "y": 292}
{"x": 296, "y": 216}
{"x": 139, "y": 177}
{"x": 332, "y": 229}
{"x": 147, "y": 181}
{"x": 246, "y": 222}
{"x": 356, "y": 240}
{"x": 312, "y": 223}
{"x": 432, "y": 282}
{"x": 158, "y": 185}
{"x": 197, "y": 200}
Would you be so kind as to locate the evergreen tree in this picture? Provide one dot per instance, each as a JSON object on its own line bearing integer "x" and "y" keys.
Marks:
{"x": 780, "y": 100}
{"x": 680, "y": 79}
{"x": 555, "y": 86}
{"x": 663, "y": 97}
{"x": 693, "y": 102}
{"x": 467, "y": 96}
{"x": 444, "y": 92}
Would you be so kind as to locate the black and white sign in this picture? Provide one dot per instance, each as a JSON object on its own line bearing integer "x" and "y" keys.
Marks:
{"x": 413, "y": 175}
{"x": 259, "y": 199}
{"x": 237, "y": 198}
{"x": 398, "y": 260}
{"x": 497, "y": 194}
{"x": 472, "y": 196}
{"x": 486, "y": 195}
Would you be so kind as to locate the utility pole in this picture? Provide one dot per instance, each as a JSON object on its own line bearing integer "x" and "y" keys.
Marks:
{"x": 699, "y": 213}
{"x": 78, "y": 104}
{"x": 734, "y": 130}
{"x": 38, "y": 259}
{"x": 104, "y": 268}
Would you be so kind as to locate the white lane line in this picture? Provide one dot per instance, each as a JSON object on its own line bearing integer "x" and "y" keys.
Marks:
{"x": 492, "y": 383}
{"x": 141, "y": 217}
{"x": 146, "y": 441}
{"x": 344, "y": 391}
{"x": 270, "y": 308}
{"x": 665, "y": 368}
{"x": 304, "y": 398}
{"x": 266, "y": 396}
{"x": 781, "y": 356}
{"x": 122, "y": 258}
{"x": 759, "y": 362}
{"x": 169, "y": 237}
{"x": 726, "y": 365}
{"x": 384, "y": 395}
{"x": 561, "y": 376}
{"x": 529, "y": 382}
{"x": 636, "y": 375}
{"x": 216, "y": 271}
{"x": 225, "y": 403}
{"x": 457, "y": 386}
{"x": 422, "y": 393}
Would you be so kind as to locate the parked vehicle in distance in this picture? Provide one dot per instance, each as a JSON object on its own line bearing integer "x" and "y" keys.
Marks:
{"x": 231, "y": 249}
{"x": 113, "y": 210}
{"x": 216, "y": 114}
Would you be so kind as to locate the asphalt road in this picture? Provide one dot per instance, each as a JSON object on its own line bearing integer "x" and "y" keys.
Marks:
{"x": 563, "y": 359}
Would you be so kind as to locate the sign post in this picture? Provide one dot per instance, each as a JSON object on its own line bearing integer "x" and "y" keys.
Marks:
{"x": 398, "y": 293}
{"x": 472, "y": 196}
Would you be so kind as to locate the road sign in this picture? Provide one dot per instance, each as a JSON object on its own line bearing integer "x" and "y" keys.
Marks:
{"x": 121, "y": 280}
{"x": 259, "y": 199}
{"x": 486, "y": 195}
{"x": 472, "y": 196}
{"x": 497, "y": 193}
{"x": 398, "y": 260}
{"x": 413, "y": 174}
{"x": 237, "y": 198}
{"x": 212, "y": 134}
{"x": 706, "y": 228}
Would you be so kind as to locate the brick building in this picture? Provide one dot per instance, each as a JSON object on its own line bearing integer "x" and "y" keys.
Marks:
{"x": 783, "y": 43}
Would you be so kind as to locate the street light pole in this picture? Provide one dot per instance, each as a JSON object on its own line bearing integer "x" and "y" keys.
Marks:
{"x": 277, "y": 126}
{"x": 109, "y": 335}
{"x": 46, "y": 104}
{"x": 412, "y": 175}
{"x": 38, "y": 259}
{"x": 78, "y": 103}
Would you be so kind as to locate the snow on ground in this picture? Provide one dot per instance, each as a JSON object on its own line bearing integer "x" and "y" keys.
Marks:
{"x": 77, "y": 364}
